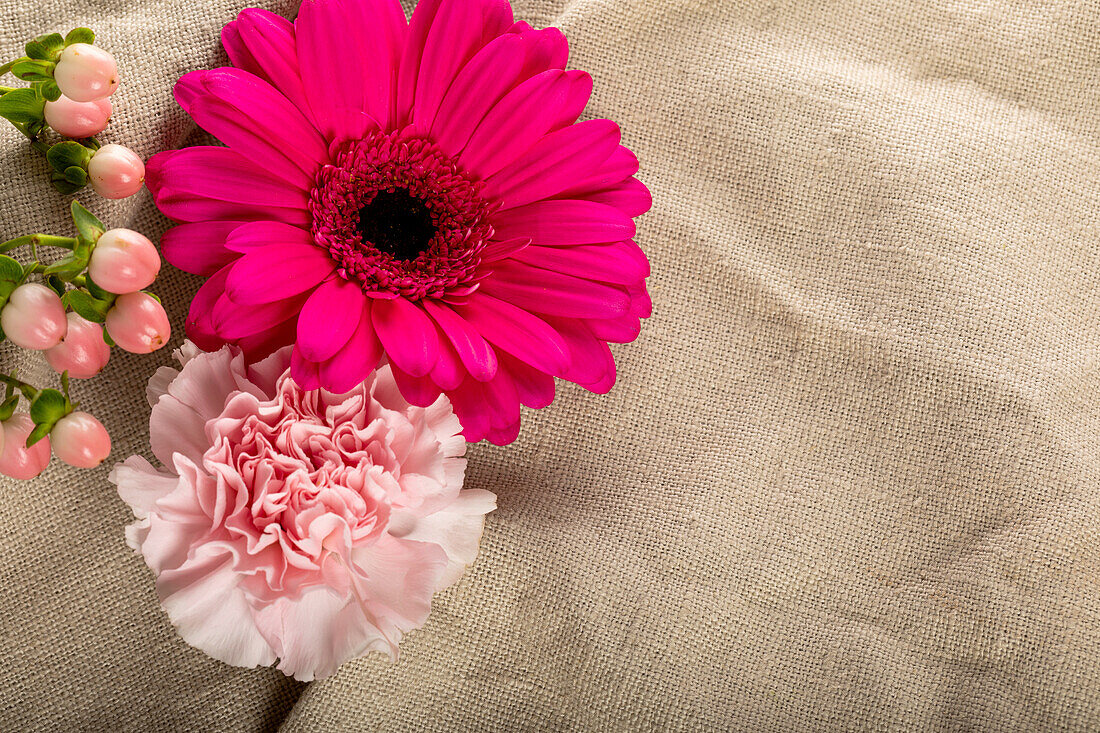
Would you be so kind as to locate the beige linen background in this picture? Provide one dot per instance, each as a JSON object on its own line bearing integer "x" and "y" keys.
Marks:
{"x": 849, "y": 478}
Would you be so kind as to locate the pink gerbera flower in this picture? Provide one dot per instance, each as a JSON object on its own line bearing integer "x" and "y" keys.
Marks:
{"x": 416, "y": 191}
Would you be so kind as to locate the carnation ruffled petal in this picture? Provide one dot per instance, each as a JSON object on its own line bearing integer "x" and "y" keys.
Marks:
{"x": 313, "y": 527}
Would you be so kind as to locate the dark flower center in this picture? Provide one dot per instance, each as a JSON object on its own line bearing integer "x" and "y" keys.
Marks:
{"x": 397, "y": 223}
{"x": 399, "y": 216}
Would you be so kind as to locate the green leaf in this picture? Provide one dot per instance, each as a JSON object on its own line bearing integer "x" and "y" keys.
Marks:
{"x": 36, "y": 50}
{"x": 7, "y": 407}
{"x": 63, "y": 187}
{"x": 76, "y": 175}
{"x": 152, "y": 295}
{"x": 54, "y": 282}
{"x": 65, "y": 383}
{"x": 40, "y": 431}
{"x": 49, "y": 90}
{"x": 107, "y": 339}
{"x": 33, "y": 69}
{"x": 98, "y": 292}
{"x": 10, "y": 269}
{"x": 79, "y": 35}
{"x": 66, "y": 269}
{"x": 49, "y": 406}
{"x": 88, "y": 227}
{"x": 22, "y": 106}
{"x": 66, "y": 154}
{"x": 93, "y": 309}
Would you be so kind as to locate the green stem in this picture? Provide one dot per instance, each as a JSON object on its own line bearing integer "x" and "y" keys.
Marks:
{"x": 29, "y": 390}
{"x": 34, "y": 240}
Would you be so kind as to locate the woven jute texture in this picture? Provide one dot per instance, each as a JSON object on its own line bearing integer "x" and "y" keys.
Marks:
{"x": 849, "y": 478}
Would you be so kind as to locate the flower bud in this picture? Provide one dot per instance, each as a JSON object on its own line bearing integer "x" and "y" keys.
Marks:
{"x": 34, "y": 317}
{"x": 115, "y": 172}
{"x": 86, "y": 73}
{"x": 78, "y": 119}
{"x": 138, "y": 323}
{"x": 124, "y": 261}
{"x": 83, "y": 352}
{"x": 16, "y": 459}
{"x": 80, "y": 440}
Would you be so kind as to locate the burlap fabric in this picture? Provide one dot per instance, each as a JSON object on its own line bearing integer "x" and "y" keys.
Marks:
{"x": 849, "y": 478}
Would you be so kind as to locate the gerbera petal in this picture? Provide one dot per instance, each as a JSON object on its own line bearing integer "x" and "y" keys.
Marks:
{"x": 535, "y": 388}
{"x": 605, "y": 383}
{"x": 233, "y": 321}
{"x": 262, "y": 344}
{"x": 263, "y": 43}
{"x": 563, "y": 222}
{"x": 469, "y": 405}
{"x": 588, "y": 361}
{"x": 489, "y": 75}
{"x": 518, "y": 120}
{"x": 641, "y": 306}
{"x": 554, "y": 163}
{"x": 362, "y": 80}
{"x": 205, "y": 183}
{"x": 612, "y": 263}
{"x": 475, "y": 352}
{"x": 409, "y": 336}
{"x": 255, "y": 235}
{"x": 305, "y": 372}
{"x": 502, "y": 400}
{"x": 552, "y": 293}
{"x": 455, "y": 35}
{"x": 278, "y": 271}
{"x": 548, "y": 50}
{"x": 621, "y": 165}
{"x": 449, "y": 371}
{"x": 500, "y": 250}
{"x": 357, "y": 359}
{"x": 525, "y": 336}
{"x": 419, "y": 391}
{"x": 329, "y": 318}
{"x": 199, "y": 325}
{"x": 199, "y": 248}
{"x": 252, "y": 117}
{"x": 409, "y": 69}
{"x": 631, "y": 197}
{"x": 621, "y": 330}
{"x": 384, "y": 29}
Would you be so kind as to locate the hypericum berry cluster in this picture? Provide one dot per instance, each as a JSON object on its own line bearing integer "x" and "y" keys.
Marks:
{"x": 73, "y": 310}
{"x": 71, "y": 82}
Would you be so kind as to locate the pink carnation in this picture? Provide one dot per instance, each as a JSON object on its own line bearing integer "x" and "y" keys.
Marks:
{"x": 306, "y": 526}
{"x": 419, "y": 191}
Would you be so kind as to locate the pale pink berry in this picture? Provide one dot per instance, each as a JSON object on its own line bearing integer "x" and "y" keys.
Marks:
{"x": 115, "y": 172}
{"x": 78, "y": 119}
{"x": 86, "y": 73}
{"x": 123, "y": 261}
{"x": 138, "y": 323}
{"x": 16, "y": 459}
{"x": 83, "y": 352}
{"x": 34, "y": 317}
{"x": 80, "y": 440}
